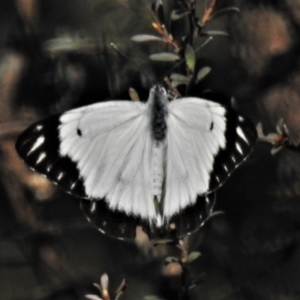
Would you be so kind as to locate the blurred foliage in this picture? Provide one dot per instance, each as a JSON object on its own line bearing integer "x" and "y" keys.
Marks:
{"x": 56, "y": 55}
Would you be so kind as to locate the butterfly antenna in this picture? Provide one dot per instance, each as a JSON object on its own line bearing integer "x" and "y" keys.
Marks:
{"x": 134, "y": 63}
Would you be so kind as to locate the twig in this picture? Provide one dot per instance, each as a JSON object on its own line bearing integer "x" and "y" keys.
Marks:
{"x": 184, "y": 290}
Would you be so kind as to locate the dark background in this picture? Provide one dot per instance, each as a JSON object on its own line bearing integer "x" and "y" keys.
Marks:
{"x": 48, "y": 250}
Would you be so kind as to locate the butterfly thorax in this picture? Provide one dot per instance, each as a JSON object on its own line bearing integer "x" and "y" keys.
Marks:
{"x": 158, "y": 111}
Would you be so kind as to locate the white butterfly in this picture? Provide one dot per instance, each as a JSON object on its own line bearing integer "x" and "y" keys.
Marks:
{"x": 150, "y": 160}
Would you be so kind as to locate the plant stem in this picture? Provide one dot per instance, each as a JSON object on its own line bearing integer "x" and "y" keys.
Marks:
{"x": 184, "y": 287}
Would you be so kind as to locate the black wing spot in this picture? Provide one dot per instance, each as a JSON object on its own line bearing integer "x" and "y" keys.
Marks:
{"x": 79, "y": 132}
{"x": 211, "y": 126}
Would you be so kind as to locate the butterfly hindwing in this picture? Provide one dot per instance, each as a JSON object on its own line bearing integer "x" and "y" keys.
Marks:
{"x": 121, "y": 225}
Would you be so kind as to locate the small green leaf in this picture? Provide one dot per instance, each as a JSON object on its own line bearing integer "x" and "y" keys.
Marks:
{"x": 215, "y": 33}
{"x": 226, "y": 10}
{"x": 216, "y": 213}
{"x": 175, "y": 83}
{"x": 164, "y": 242}
{"x": 203, "y": 73}
{"x": 164, "y": 56}
{"x": 180, "y": 78}
{"x": 134, "y": 96}
{"x": 190, "y": 57}
{"x": 152, "y": 297}
{"x": 140, "y": 38}
{"x": 192, "y": 286}
{"x": 92, "y": 297}
{"x": 67, "y": 43}
{"x": 193, "y": 256}
{"x": 170, "y": 259}
{"x": 195, "y": 282}
{"x": 276, "y": 149}
{"x": 178, "y": 14}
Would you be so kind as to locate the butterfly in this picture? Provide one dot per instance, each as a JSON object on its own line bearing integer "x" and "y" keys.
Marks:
{"x": 147, "y": 161}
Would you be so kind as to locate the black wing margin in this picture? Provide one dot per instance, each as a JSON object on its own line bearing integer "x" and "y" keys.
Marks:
{"x": 39, "y": 147}
{"x": 123, "y": 226}
{"x": 240, "y": 136}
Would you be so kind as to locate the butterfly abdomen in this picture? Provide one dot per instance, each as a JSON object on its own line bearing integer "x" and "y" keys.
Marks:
{"x": 158, "y": 168}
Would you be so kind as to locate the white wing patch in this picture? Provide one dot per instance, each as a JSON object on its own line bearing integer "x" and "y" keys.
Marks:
{"x": 241, "y": 134}
{"x": 41, "y": 157}
{"x": 112, "y": 146}
{"x": 37, "y": 144}
{"x": 196, "y": 133}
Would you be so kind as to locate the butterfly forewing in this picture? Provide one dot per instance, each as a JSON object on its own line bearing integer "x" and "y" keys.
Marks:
{"x": 206, "y": 142}
{"x": 39, "y": 146}
{"x": 95, "y": 152}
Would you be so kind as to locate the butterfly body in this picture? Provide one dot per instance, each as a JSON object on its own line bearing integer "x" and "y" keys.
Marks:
{"x": 147, "y": 160}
